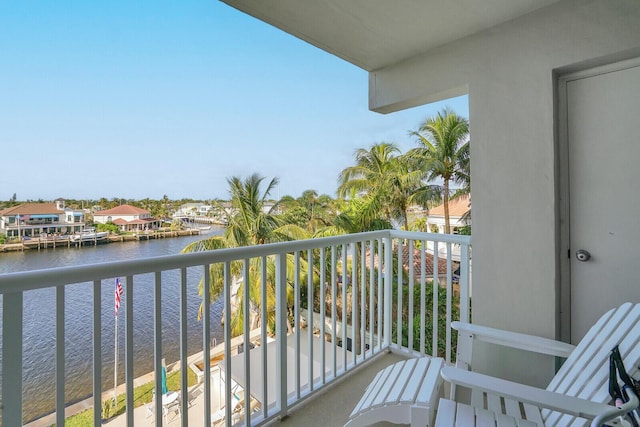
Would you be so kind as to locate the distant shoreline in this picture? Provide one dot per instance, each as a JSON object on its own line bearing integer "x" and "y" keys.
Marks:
{"x": 59, "y": 242}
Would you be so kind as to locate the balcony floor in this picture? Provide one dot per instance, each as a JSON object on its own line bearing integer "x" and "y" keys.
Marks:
{"x": 332, "y": 407}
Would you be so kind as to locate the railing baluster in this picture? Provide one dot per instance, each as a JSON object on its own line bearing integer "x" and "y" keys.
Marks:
{"x": 449, "y": 292}
{"x": 465, "y": 283}
{"x": 97, "y": 355}
{"x": 323, "y": 298}
{"x": 399, "y": 290}
{"x": 184, "y": 378}
{"x": 281, "y": 334}
{"x": 60, "y": 349}
{"x": 354, "y": 304}
{"x": 381, "y": 296}
{"x": 410, "y": 297}
{"x": 296, "y": 320}
{"x": 206, "y": 340}
{"x": 157, "y": 344}
{"x": 434, "y": 338}
{"x": 423, "y": 295}
{"x": 344, "y": 306}
{"x": 227, "y": 348}
{"x": 388, "y": 283}
{"x": 263, "y": 338}
{"x": 246, "y": 341}
{"x": 372, "y": 282}
{"x": 310, "y": 312}
{"x": 334, "y": 308}
{"x": 128, "y": 347}
{"x": 363, "y": 298}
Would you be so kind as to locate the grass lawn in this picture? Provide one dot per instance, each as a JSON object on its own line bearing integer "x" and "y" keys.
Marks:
{"x": 141, "y": 395}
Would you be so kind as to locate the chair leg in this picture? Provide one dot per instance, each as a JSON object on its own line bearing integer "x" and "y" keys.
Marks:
{"x": 149, "y": 413}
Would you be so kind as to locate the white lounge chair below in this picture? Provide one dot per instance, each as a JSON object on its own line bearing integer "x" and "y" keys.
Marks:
{"x": 405, "y": 392}
{"x": 218, "y": 417}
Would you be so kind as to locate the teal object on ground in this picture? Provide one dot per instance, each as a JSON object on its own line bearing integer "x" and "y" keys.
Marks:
{"x": 164, "y": 380}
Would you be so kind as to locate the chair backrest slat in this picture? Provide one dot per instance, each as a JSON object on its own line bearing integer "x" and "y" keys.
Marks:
{"x": 585, "y": 373}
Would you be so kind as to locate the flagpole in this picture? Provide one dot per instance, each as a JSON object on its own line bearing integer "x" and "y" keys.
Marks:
{"x": 115, "y": 369}
{"x": 118, "y": 293}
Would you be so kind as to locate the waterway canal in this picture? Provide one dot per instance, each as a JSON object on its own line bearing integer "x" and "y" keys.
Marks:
{"x": 39, "y": 319}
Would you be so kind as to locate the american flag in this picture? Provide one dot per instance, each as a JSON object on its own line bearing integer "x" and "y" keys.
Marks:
{"x": 119, "y": 292}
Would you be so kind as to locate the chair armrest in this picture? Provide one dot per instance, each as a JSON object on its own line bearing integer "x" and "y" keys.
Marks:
{"x": 614, "y": 412}
{"x": 515, "y": 340}
{"x": 599, "y": 412}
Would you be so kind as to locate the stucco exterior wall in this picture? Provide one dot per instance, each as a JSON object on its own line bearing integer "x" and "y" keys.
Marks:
{"x": 510, "y": 75}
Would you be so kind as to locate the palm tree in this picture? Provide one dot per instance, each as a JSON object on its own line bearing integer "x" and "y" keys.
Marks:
{"x": 249, "y": 223}
{"x": 443, "y": 153}
{"x": 384, "y": 180}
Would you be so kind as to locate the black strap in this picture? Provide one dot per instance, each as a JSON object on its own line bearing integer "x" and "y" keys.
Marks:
{"x": 616, "y": 366}
{"x": 624, "y": 376}
{"x": 614, "y": 387}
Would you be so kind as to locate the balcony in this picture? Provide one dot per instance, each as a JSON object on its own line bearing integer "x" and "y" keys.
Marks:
{"x": 352, "y": 284}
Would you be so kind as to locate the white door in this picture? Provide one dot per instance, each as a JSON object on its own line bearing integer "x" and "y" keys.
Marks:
{"x": 603, "y": 137}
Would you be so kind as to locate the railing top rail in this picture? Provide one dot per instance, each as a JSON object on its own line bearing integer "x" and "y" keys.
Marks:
{"x": 417, "y": 235}
{"x": 36, "y": 279}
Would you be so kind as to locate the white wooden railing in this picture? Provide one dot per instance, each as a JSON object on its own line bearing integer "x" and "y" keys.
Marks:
{"x": 359, "y": 315}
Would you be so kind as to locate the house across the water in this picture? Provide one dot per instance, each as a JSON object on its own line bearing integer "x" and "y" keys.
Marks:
{"x": 36, "y": 219}
{"x": 128, "y": 218}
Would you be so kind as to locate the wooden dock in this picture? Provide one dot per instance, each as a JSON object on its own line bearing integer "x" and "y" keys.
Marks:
{"x": 54, "y": 242}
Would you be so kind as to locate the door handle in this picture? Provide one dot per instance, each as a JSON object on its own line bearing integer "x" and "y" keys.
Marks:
{"x": 583, "y": 255}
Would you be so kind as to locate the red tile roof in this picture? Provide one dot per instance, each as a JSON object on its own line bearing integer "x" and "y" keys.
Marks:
{"x": 457, "y": 207}
{"x": 417, "y": 263}
{"x": 31, "y": 209}
{"x": 142, "y": 221}
{"x": 428, "y": 263}
{"x": 122, "y": 210}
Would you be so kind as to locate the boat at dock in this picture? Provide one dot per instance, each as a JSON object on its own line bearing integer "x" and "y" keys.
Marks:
{"x": 90, "y": 235}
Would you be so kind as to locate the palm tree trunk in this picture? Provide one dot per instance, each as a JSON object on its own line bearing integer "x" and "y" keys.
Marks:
{"x": 388, "y": 215}
{"x": 447, "y": 225}
{"x": 405, "y": 219}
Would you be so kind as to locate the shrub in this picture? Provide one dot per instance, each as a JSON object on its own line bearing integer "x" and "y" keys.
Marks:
{"x": 428, "y": 315}
{"x": 110, "y": 227}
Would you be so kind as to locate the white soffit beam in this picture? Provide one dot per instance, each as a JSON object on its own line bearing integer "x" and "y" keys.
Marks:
{"x": 374, "y": 34}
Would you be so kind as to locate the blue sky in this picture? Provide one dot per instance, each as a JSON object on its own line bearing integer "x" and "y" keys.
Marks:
{"x": 145, "y": 99}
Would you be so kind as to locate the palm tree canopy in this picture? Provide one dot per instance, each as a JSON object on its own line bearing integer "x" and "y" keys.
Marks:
{"x": 443, "y": 153}
{"x": 384, "y": 179}
{"x": 443, "y": 146}
{"x": 250, "y": 222}
{"x": 370, "y": 171}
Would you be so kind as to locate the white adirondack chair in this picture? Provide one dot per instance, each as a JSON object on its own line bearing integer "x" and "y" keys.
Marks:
{"x": 405, "y": 392}
{"x": 576, "y": 396}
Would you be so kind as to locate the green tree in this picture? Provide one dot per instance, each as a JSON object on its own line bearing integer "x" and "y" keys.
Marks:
{"x": 352, "y": 220}
{"x": 309, "y": 211}
{"x": 384, "y": 180}
{"x": 443, "y": 153}
{"x": 250, "y": 223}
{"x": 103, "y": 203}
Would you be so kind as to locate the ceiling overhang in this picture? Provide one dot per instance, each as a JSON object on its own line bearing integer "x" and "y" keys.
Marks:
{"x": 375, "y": 34}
